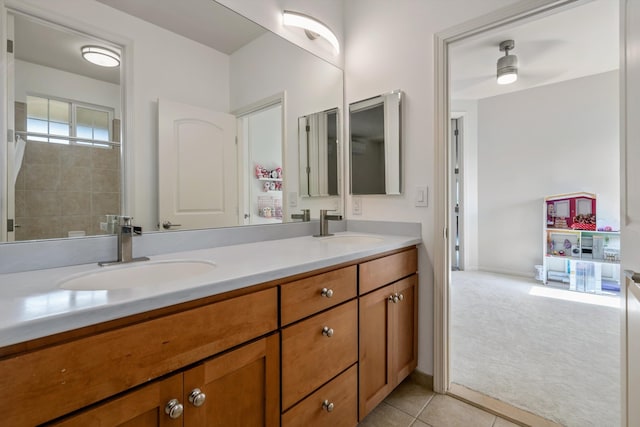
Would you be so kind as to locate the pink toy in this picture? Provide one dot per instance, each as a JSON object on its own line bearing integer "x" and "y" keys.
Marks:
{"x": 279, "y": 172}
{"x": 258, "y": 171}
{"x": 267, "y": 186}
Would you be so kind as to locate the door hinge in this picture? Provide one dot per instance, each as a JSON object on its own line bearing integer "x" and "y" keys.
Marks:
{"x": 236, "y": 140}
{"x": 10, "y": 226}
{"x": 9, "y": 46}
{"x": 457, "y": 247}
{"x": 307, "y": 128}
{"x": 456, "y": 171}
{"x": 455, "y": 132}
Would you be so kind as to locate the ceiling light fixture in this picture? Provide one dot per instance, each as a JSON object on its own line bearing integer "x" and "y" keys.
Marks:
{"x": 508, "y": 64}
{"x": 101, "y": 56}
{"x": 311, "y": 26}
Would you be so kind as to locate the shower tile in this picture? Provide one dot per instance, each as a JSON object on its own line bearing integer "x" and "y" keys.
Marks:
{"x": 42, "y": 203}
{"x": 105, "y": 180}
{"x": 76, "y": 203}
{"x": 105, "y": 158}
{"x": 76, "y": 223}
{"x": 42, "y": 176}
{"x": 74, "y": 156}
{"x": 42, "y": 153}
{"x": 38, "y": 228}
{"x": 76, "y": 179}
{"x": 105, "y": 204}
{"x": 21, "y": 207}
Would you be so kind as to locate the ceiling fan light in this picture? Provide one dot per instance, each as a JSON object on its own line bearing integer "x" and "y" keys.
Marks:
{"x": 507, "y": 67}
{"x": 101, "y": 56}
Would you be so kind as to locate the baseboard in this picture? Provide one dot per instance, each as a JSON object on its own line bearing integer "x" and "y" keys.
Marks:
{"x": 420, "y": 378}
{"x": 498, "y": 407}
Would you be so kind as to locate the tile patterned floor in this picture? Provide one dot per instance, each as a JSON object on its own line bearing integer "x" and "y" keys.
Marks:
{"x": 412, "y": 405}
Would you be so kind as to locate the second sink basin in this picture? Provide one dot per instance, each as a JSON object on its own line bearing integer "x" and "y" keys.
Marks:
{"x": 135, "y": 275}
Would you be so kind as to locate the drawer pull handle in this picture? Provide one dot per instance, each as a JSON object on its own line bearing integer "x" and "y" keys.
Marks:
{"x": 326, "y": 292}
{"x": 327, "y": 331}
{"x": 327, "y": 406}
{"x": 197, "y": 397}
{"x": 174, "y": 409}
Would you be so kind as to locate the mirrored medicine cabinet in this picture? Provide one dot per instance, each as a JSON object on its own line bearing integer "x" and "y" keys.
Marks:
{"x": 375, "y": 145}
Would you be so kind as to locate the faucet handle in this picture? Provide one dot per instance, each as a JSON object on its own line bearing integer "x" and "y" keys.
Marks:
{"x": 125, "y": 220}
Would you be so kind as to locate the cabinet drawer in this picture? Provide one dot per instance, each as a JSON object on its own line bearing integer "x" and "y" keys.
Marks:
{"x": 69, "y": 376}
{"x": 341, "y": 392}
{"x": 382, "y": 271}
{"x": 304, "y": 297}
{"x": 310, "y": 358}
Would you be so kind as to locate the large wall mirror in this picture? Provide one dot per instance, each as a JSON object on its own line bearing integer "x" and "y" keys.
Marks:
{"x": 144, "y": 137}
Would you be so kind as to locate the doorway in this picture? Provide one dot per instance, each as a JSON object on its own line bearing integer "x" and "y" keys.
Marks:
{"x": 511, "y": 205}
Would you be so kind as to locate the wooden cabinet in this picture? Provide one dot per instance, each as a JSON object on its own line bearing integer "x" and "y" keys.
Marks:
{"x": 388, "y": 335}
{"x": 71, "y": 375}
{"x": 240, "y": 388}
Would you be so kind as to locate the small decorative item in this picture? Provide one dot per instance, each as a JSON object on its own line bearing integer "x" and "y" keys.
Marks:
{"x": 258, "y": 171}
{"x": 274, "y": 174}
{"x": 267, "y": 186}
{"x": 279, "y": 172}
{"x": 266, "y": 212}
{"x": 272, "y": 186}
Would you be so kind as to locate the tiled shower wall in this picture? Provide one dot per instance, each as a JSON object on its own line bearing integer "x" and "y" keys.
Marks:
{"x": 63, "y": 188}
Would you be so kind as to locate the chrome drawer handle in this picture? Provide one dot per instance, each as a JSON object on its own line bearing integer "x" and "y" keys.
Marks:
{"x": 197, "y": 397}
{"x": 327, "y": 332}
{"x": 174, "y": 409}
{"x": 327, "y": 406}
{"x": 326, "y": 292}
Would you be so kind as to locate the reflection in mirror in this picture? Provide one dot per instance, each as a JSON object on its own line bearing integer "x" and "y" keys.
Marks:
{"x": 318, "y": 143}
{"x": 64, "y": 162}
{"x": 375, "y": 140}
{"x": 221, "y": 62}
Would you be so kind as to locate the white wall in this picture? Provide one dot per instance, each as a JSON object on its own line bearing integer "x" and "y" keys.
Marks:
{"x": 554, "y": 139}
{"x": 34, "y": 79}
{"x": 270, "y": 65}
{"x": 389, "y": 45}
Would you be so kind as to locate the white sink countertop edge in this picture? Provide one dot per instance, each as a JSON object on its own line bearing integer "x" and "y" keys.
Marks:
{"x": 33, "y": 306}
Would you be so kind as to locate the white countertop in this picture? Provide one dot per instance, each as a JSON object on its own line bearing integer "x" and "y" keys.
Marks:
{"x": 32, "y": 305}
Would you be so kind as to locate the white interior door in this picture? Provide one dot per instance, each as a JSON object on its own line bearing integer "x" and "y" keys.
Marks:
{"x": 197, "y": 154}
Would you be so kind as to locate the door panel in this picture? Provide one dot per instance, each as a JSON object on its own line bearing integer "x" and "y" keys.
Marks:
{"x": 406, "y": 323}
{"x": 197, "y": 154}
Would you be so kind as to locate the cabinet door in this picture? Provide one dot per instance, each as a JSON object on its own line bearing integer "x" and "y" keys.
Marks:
{"x": 242, "y": 387}
{"x": 144, "y": 407}
{"x": 375, "y": 349}
{"x": 405, "y": 325}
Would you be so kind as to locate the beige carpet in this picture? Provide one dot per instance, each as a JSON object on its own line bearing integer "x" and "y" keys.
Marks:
{"x": 537, "y": 348}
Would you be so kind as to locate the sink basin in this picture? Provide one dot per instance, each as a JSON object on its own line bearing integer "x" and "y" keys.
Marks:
{"x": 137, "y": 275}
{"x": 351, "y": 239}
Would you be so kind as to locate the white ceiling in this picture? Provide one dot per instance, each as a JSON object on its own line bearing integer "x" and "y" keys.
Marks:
{"x": 573, "y": 43}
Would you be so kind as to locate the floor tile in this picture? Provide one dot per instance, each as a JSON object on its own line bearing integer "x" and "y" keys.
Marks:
{"x": 410, "y": 397}
{"x": 501, "y": 422}
{"x": 419, "y": 423}
{"x": 386, "y": 416}
{"x": 445, "y": 411}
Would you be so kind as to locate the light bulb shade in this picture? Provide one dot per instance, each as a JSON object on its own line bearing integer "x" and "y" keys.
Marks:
{"x": 300, "y": 20}
{"x": 100, "y": 56}
{"x": 507, "y": 69}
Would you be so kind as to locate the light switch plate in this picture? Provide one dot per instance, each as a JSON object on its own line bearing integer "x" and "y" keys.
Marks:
{"x": 422, "y": 196}
{"x": 356, "y": 205}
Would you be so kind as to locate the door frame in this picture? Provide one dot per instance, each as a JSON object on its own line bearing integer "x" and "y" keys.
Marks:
{"x": 441, "y": 260}
{"x": 244, "y": 170}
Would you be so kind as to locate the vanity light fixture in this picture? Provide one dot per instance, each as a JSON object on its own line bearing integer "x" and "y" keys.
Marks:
{"x": 508, "y": 64}
{"x": 101, "y": 56}
{"x": 311, "y": 26}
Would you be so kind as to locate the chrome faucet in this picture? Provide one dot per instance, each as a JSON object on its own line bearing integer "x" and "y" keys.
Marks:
{"x": 305, "y": 216}
{"x": 125, "y": 232}
{"x": 324, "y": 222}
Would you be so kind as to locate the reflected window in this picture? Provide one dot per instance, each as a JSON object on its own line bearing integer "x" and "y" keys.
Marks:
{"x": 74, "y": 122}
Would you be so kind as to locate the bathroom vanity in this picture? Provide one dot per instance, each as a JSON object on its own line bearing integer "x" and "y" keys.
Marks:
{"x": 319, "y": 337}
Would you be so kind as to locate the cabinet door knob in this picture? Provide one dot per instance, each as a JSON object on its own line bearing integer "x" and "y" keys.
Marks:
{"x": 197, "y": 397}
{"x": 327, "y": 332}
{"x": 327, "y": 406}
{"x": 400, "y": 297}
{"x": 326, "y": 292}
{"x": 394, "y": 298}
{"x": 173, "y": 408}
